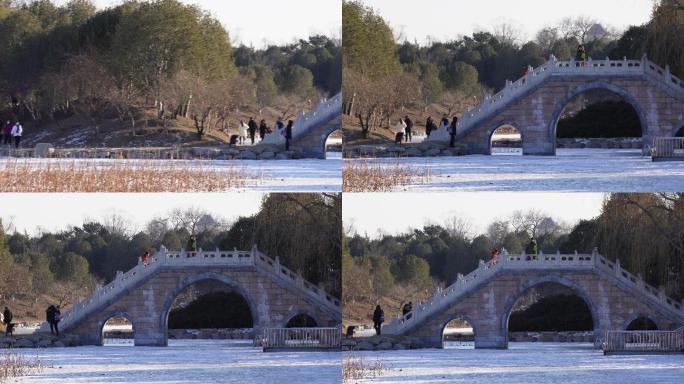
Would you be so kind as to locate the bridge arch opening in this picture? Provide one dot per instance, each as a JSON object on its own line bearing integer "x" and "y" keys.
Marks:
{"x": 680, "y": 132}
{"x": 598, "y": 115}
{"x": 117, "y": 330}
{"x": 301, "y": 320}
{"x": 207, "y": 308}
{"x": 332, "y": 142}
{"x": 550, "y": 311}
{"x": 506, "y": 139}
{"x": 457, "y": 333}
{"x": 642, "y": 323}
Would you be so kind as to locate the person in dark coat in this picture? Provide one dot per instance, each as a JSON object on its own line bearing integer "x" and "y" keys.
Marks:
{"x": 409, "y": 126}
{"x": 429, "y": 126}
{"x": 378, "y": 319}
{"x": 581, "y": 55}
{"x": 7, "y": 320}
{"x": 288, "y": 134}
{"x": 56, "y": 319}
{"x": 263, "y": 128}
{"x": 192, "y": 244}
{"x": 50, "y": 317}
{"x": 251, "y": 128}
{"x": 444, "y": 121}
{"x": 452, "y": 131}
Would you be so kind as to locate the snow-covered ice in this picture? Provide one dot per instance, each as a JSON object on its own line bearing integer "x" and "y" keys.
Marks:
{"x": 572, "y": 170}
{"x": 184, "y": 361}
{"x": 304, "y": 175}
{"x": 525, "y": 363}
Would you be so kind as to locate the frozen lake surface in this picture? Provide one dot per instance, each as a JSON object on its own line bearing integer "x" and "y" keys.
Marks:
{"x": 572, "y": 170}
{"x": 184, "y": 361}
{"x": 304, "y": 175}
{"x": 525, "y": 363}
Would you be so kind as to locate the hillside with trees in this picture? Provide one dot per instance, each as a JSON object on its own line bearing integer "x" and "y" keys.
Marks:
{"x": 386, "y": 76}
{"x": 58, "y": 267}
{"x": 645, "y": 231}
{"x": 147, "y": 72}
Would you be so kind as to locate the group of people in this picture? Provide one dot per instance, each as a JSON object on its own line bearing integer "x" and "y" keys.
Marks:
{"x": 250, "y": 129}
{"x": 405, "y": 131}
{"x": 11, "y": 133}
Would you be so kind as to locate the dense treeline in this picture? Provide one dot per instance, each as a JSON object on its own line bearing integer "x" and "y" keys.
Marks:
{"x": 456, "y": 73}
{"x": 644, "y": 231}
{"x": 161, "y": 54}
{"x": 302, "y": 229}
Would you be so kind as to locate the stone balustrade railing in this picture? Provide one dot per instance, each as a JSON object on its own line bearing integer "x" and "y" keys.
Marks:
{"x": 324, "y": 110}
{"x": 554, "y": 67}
{"x": 446, "y": 297}
{"x": 166, "y": 258}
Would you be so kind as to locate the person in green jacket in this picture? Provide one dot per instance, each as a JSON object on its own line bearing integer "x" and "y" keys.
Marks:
{"x": 581, "y": 54}
{"x": 192, "y": 244}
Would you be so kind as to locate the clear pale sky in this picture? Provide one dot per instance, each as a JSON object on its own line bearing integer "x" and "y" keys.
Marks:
{"x": 392, "y": 213}
{"x": 56, "y": 211}
{"x": 254, "y": 22}
{"x": 447, "y": 19}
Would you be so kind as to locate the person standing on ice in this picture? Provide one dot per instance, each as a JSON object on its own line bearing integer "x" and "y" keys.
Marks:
{"x": 288, "y": 134}
{"x": 429, "y": 126}
{"x": 56, "y": 319}
{"x": 263, "y": 128}
{"x": 17, "y": 131}
{"x": 252, "y": 127}
{"x": 401, "y": 131}
{"x": 50, "y": 318}
{"x": 7, "y": 320}
{"x": 452, "y": 131}
{"x": 7, "y": 133}
{"x": 378, "y": 319}
{"x": 409, "y": 126}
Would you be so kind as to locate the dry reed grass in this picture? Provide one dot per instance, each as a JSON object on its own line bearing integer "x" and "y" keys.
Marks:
{"x": 357, "y": 368}
{"x": 94, "y": 176}
{"x": 15, "y": 365}
{"x": 364, "y": 176}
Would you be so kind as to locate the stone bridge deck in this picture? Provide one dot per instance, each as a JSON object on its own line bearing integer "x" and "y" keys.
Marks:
{"x": 486, "y": 296}
{"x": 144, "y": 294}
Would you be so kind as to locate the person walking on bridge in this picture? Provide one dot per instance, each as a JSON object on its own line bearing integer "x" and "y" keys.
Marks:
{"x": 192, "y": 245}
{"x": 145, "y": 258}
{"x": 532, "y": 249}
{"x": 378, "y": 319}
{"x": 252, "y": 127}
{"x": 494, "y": 255}
{"x": 409, "y": 125}
{"x": 452, "y": 131}
{"x": 581, "y": 55}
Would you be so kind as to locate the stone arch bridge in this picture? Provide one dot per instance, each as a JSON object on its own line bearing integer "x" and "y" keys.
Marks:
{"x": 311, "y": 129}
{"x": 144, "y": 294}
{"x": 485, "y": 298}
{"x": 533, "y": 104}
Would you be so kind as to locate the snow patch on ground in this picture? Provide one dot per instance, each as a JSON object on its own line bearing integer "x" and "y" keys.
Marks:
{"x": 184, "y": 361}
{"x": 525, "y": 363}
{"x": 572, "y": 170}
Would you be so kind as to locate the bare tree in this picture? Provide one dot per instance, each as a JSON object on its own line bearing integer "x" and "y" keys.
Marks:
{"x": 458, "y": 226}
{"x": 507, "y": 33}
{"x": 529, "y": 221}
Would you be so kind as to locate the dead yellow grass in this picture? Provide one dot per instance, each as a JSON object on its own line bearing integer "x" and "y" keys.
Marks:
{"x": 357, "y": 368}
{"x": 366, "y": 176}
{"x": 91, "y": 176}
{"x": 15, "y": 365}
